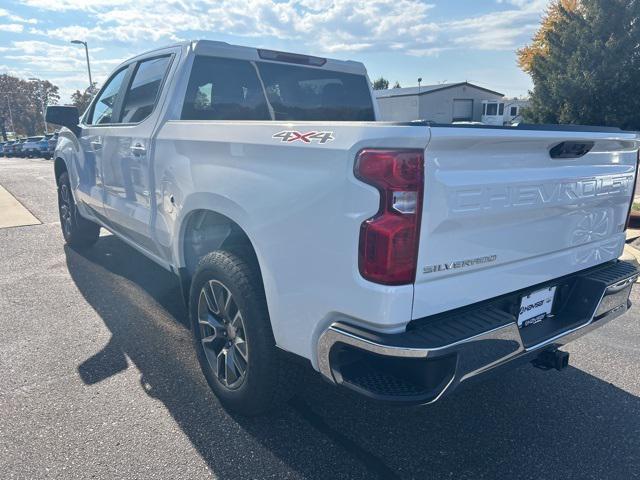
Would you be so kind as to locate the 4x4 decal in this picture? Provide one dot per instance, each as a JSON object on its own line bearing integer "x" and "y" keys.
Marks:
{"x": 308, "y": 137}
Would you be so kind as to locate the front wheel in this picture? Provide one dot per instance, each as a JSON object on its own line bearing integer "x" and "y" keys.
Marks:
{"x": 78, "y": 232}
{"x": 233, "y": 337}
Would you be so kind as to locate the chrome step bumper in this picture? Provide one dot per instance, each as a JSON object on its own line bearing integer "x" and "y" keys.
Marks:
{"x": 438, "y": 353}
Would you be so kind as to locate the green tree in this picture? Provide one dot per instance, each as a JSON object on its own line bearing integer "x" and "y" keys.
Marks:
{"x": 381, "y": 84}
{"x": 82, "y": 99}
{"x": 11, "y": 93}
{"x": 41, "y": 93}
{"x": 397, "y": 85}
{"x": 585, "y": 65}
{"x": 22, "y": 101}
{"x": 539, "y": 47}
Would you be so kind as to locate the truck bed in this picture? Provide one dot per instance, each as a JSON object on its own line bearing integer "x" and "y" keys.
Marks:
{"x": 500, "y": 213}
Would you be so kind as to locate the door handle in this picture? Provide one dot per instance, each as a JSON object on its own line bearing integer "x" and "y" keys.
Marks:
{"x": 138, "y": 149}
{"x": 96, "y": 143}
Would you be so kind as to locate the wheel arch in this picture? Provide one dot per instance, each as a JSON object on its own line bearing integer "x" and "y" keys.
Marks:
{"x": 204, "y": 230}
{"x": 59, "y": 167}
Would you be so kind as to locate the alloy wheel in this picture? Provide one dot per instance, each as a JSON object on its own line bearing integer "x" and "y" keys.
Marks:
{"x": 222, "y": 334}
{"x": 66, "y": 209}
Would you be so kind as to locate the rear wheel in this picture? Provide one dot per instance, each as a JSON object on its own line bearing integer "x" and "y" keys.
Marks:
{"x": 233, "y": 337}
{"x": 77, "y": 231}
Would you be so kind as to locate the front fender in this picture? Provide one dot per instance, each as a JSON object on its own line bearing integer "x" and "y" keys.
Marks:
{"x": 68, "y": 150}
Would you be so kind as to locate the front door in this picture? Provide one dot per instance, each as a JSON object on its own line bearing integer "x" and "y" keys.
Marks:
{"x": 127, "y": 182}
{"x": 95, "y": 128}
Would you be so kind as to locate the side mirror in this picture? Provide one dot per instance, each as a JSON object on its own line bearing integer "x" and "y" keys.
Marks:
{"x": 65, "y": 116}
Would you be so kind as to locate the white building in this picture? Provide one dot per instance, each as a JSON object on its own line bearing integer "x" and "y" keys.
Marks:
{"x": 444, "y": 103}
{"x": 506, "y": 111}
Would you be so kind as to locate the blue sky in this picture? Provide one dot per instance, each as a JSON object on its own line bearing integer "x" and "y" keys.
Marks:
{"x": 438, "y": 40}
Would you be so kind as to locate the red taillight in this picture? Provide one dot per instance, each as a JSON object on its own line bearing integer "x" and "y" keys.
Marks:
{"x": 389, "y": 240}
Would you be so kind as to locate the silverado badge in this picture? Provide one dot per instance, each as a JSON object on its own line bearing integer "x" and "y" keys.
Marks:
{"x": 459, "y": 264}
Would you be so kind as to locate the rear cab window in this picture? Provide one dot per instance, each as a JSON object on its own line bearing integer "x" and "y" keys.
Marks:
{"x": 232, "y": 89}
{"x": 224, "y": 89}
{"x": 305, "y": 93}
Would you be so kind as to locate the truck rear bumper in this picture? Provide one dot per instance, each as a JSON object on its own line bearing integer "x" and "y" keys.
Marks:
{"x": 436, "y": 354}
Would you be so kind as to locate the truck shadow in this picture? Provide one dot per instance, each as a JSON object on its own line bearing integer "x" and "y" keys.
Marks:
{"x": 525, "y": 424}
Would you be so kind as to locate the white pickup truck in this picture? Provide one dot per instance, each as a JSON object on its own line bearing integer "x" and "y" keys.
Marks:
{"x": 399, "y": 259}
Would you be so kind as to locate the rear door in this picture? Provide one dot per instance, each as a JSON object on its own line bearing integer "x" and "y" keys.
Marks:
{"x": 127, "y": 181}
{"x": 501, "y": 213}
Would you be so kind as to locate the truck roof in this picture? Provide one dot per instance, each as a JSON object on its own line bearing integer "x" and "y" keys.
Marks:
{"x": 218, "y": 48}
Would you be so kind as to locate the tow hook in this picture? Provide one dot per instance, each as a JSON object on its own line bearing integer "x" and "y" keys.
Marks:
{"x": 552, "y": 359}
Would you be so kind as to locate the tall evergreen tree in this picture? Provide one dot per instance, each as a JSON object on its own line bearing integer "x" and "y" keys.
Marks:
{"x": 585, "y": 64}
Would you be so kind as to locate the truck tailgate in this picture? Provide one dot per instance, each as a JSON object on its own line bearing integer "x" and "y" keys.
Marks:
{"x": 501, "y": 214}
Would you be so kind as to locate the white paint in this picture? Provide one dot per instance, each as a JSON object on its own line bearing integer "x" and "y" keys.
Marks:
{"x": 302, "y": 207}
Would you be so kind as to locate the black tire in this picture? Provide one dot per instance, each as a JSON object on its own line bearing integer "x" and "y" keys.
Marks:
{"x": 268, "y": 380}
{"x": 78, "y": 232}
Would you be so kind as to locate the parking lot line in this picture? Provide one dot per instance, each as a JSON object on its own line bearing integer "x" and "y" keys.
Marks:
{"x": 12, "y": 213}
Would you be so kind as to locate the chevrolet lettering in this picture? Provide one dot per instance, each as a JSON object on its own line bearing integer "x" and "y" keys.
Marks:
{"x": 504, "y": 197}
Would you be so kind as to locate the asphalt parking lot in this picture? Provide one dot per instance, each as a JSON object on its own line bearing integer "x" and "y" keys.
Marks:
{"x": 99, "y": 381}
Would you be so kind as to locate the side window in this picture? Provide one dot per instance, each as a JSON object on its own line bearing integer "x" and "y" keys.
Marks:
{"x": 142, "y": 93}
{"x": 224, "y": 89}
{"x": 103, "y": 107}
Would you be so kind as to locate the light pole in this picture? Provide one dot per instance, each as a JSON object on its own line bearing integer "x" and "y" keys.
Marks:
{"x": 42, "y": 101}
{"x": 419, "y": 82}
{"x": 86, "y": 51}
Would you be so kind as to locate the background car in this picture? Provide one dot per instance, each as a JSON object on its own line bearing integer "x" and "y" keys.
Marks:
{"x": 52, "y": 141}
{"x": 9, "y": 148}
{"x": 2, "y": 149}
{"x": 18, "y": 148}
{"x": 6, "y": 146}
{"x": 31, "y": 147}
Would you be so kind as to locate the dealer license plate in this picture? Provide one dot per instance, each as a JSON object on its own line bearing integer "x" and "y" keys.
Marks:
{"x": 536, "y": 306}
